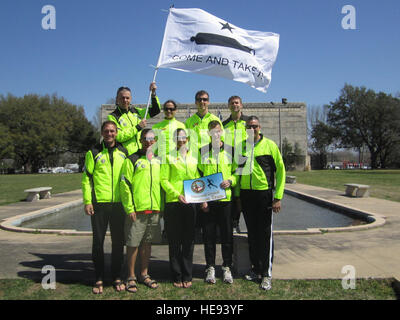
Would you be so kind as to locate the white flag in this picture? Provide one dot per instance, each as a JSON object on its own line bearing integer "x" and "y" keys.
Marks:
{"x": 196, "y": 41}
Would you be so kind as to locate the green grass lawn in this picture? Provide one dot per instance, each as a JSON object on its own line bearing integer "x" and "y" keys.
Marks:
{"x": 365, "y": 289}
{"x": 12, "y": 186}
{"x": 384, "y": 184}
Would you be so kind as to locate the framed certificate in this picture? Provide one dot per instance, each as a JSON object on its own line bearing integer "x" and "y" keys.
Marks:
{"x": 204, "y": 189}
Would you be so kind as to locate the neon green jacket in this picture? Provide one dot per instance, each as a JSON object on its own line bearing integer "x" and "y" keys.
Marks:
{"x": 102, "y": 174}
{"x": 164, "y": 131}
{"x": 235, "y": 132}
{"x": 140, "y": 183}
{"x": 175, "y": 171}
{"x": 260, "y": 167}
{"x": 211, "y": 163}
{"x": 198, "y": 129}
{"x": 127, "y": 122}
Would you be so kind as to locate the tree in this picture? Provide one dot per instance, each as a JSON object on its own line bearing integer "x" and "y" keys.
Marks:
{"x": 315, "y": 114}
{"x": 6, "y": 147}
{"x": 322, "y": 139}
{"x": 96, "y": 120}
{"x": 291, "y": 155}
{"x": 361, "y": 116}
{"x": 42, "y": 126}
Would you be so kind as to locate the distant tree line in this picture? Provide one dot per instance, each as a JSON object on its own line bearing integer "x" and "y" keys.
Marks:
{"x": 292, "y": 155}
{"x": 38, "y": 127}
{"x": 360, "y": 118}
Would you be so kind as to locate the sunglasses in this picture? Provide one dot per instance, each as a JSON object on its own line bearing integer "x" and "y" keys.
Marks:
{"x": 181, "y": 138}
{"x": 202, "y": 99}
{"x": 149, "y": 139}
{"x": 253, "y": 126}
{"x": 169, "y": 109}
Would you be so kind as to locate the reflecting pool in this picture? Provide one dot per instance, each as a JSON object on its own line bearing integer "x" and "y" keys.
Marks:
{"x": 296, "y": 214}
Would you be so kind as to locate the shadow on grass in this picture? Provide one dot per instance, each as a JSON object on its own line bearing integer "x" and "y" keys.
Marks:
{"x": 396, "y": 288}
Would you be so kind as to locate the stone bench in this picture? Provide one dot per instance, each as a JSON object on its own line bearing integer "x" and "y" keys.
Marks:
{"x": 357, "y": 190}
{"x": 35, "y": 194}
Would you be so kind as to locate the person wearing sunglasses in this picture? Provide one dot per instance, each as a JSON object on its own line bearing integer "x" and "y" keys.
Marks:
{"x": 130, "y": 119}
{"x": 165, "y": 129}
{"x": 259, "y": 196}
{"x": 140, "y": 190}
{"x": 179, "y": 215}
{"x": 198, "y": 123}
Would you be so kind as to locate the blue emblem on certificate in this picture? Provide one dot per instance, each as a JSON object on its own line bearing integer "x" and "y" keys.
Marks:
{"x": 204, "y": 189}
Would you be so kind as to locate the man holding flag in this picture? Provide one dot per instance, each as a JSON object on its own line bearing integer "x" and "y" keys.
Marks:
{"x": 131, "y": 120}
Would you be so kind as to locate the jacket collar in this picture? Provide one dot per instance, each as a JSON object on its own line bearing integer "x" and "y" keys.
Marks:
{"x": 122, "y": 110}
{"x": 242, "y": 117}
{"x": 221, "y": 148}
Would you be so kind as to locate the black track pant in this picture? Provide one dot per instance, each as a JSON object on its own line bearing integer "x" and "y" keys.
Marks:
{"x": 104, "y": 214}
{"x": 218, "y": 216}
{"x": 257, "y": 212}
{"x": 180, "y": 220}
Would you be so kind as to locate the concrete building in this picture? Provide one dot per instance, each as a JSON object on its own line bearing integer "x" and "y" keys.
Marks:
{"x": 293, "y": 119}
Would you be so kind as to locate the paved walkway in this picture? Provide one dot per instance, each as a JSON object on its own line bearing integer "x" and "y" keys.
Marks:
{"x": 372, "y": 252}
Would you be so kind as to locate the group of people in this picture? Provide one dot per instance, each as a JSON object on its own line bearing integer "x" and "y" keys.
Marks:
{"x": 136, "y": 174}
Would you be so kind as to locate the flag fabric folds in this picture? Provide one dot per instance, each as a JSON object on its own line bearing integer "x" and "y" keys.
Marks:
{"x": 196, "y": 41}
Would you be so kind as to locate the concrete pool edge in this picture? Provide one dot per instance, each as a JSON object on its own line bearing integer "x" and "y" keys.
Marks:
{"x": 13, "y": 223}
{"x": 374, "y": 220}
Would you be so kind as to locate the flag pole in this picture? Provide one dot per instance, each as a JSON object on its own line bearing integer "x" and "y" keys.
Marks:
{"x": 148, "y": 101}
{"x": 156, "y": 69}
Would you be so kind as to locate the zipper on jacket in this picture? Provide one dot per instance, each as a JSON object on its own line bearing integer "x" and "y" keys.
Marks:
{"x": 110, "y": 155}
{"x": 234, "y": 135}
{"x": 251, "y": 166}
{"x": 217, "y": 162}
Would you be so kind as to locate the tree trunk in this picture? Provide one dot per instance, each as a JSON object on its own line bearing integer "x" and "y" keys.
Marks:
{"x": 374, "y": 160}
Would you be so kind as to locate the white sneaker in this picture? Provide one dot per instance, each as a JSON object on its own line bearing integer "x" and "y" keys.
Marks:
{"x": 227, "y": 275}
{"x": 210, "y": 275}
{"x": 266, "y": 283}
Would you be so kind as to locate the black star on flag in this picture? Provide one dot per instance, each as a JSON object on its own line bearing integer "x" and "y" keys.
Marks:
{"x": 226, "y": 26}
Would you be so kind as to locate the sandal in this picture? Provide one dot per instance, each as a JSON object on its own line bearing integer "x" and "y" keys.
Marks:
{"x": 150, "y": 282}
{"x": 178, "y": 284}
{"x": 118, "y": 285}
{"x": 131, "y": 287}
{"x": 98, "y": 287}
{"x": 187, "y": 284}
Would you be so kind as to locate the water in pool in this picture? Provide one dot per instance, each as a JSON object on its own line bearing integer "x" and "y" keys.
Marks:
{"x": 296, "y": 214}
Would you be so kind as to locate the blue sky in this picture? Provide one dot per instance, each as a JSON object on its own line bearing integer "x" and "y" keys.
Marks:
{"x": 98, "y": 46}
